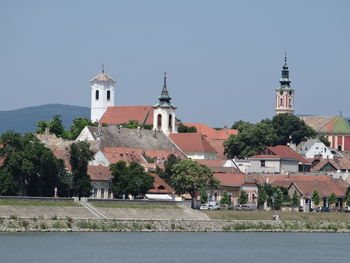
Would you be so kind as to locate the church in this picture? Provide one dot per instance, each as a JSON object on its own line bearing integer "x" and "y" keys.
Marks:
{"x": 161, "y": 115}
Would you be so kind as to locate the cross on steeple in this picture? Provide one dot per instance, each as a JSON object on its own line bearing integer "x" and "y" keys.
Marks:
{"x": 103, "y": 68}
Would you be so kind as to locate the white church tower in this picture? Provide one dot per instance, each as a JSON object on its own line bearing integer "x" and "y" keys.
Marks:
{"x": 285, "y": 93}
{"x": 102, "y": 94}
{"x": 164, "y": 112}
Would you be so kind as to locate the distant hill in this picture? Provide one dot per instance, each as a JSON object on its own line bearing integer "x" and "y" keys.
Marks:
{"x": 25, "y": 119}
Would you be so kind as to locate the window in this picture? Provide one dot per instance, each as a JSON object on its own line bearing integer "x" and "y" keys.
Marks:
{"x": 161, "y": 187}
{"x": 281, "y": 101}
{"x": 262, "y": 163}
{"x": 95, "y": 192}
{"x": 159, "y": 121}
{"x": 97, "y": 95}
{"x": 102, "y": 193}
{"x": 170, "y": 122}
{"x": 290, "y": 102}
{"x": 339, "y": 148}
{"x": 108, "y": 94}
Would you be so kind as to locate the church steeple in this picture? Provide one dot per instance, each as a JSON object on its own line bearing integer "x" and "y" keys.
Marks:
{"x": 164, "y": 112}
{"x": 285, "y": 93}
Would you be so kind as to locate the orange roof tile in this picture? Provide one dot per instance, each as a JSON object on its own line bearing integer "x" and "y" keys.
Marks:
{"x": 338, "y": 164}
{"x": 218, "y": 145}
{"x": 191, "y": 142}
{"x": 123, "y": 114}
{"x": 323, "y": 188}
{"x": 99, "y": 173}
{"x": 212, "y": 133}
{"x": 212, "y": 163}
{"x": 230, "y": 179}
{"x": 160, "y": 186}
{"x": 280, "y": 151}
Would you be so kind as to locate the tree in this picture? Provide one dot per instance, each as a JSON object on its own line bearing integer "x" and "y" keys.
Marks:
{"x": 278, "y": 199}
{"x": 348, "y": 196}
{"x": 332, "y": 199}
{"x": 225, "y": 199}
{"x": 243, "y": 197}
{"x": 204, "y": 196}
{"x": 192, "y": 177}
{"x": 80, "y": 155}
{"x": 130, "y": 180}
{"x": 262, "y": 196}
{"x": 132, "y": 124}
{"x": 241, "y": 125}
{"x": 186, "y": 129}
{"x": 315, "y": 197}
{"x": 78, "y": 125}
{"x": 166, "y": 175}
{"x": 295, "y": 199}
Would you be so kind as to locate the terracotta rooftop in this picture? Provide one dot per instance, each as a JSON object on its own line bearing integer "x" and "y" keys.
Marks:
{"x": 123, "y": 114}
{"x": 212, "y": 133}
{"x": 280, "y": 151}
{"x": 323, "y": 124}
{"x": 337, "y": 163}
{"x": 160, "y": 186}
{"x": 102, "y": 77}
{"x": 231, "y": 179}
{"x": 323, "y": 188}
{"x": 99, "y": 173}
{"x": 218, "y": 145}
{"x": 192, "y": 142}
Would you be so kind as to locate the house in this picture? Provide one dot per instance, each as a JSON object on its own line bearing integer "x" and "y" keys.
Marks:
{"x": 337, "y": 167}
{"x": 220, "y": 166}
{"x": 279, "y": 159}
{"x": 314, "y": 147}
{"x": 216, "y": 138}
{"x": 233, "y": 184}
{"x": 194, "y": 145}
{"x": 335, "y": 128}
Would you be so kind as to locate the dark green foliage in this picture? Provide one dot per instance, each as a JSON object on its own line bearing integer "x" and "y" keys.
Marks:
{"x": 252, "y": 138}
{"x": 204, "y": 196}
{"x": 166, "y": 175}
{"x": 148, "y": 158}
{"x": 78, "y": 125}
{"x": 130, "y": 180}
{"x": 262, "y": 196}
{"x": 278, "y": 199}
{"x": 315, "y": 197}
{"x": 243, "y": 197}
{"x": 29, "y": 168}
{"x": 225, "y": 200}
{"x": 332, "y": 199}
{"x": 186, "y": 129}
{"x": 80, "y": 155}
{"x": 348, "y": 196}
{"x": 295, "y": 199}
{"x": 132, "y": 124}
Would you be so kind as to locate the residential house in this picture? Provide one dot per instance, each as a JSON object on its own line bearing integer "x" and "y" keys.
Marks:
{"x": 220, "y": 166}
{"x": 233, "y": 184}
{"x": 279, "y": 159}
{"x": 314, "y": 147}
{"x": 337, "y": 167}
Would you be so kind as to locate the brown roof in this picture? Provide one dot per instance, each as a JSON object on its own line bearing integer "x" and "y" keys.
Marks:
{"x": 99, "y": 173}
{"x": 280, "y": 151}
{"x": 191, "y": 142}
{"x": 276, "y": 179}
{"x": 337, "y": 163}
{"x": 160, "y": 186}
{"x": 123, "y": 114}
{"x": 218, "y": 145}
{"x": 323, "y": 188}
{"x": 236, "y": 179}
{"x": 212, "y": 133}
{"x": 102, "y": 77}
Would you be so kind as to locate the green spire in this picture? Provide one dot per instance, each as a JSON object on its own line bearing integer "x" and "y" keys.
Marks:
{"x": 285, "y": 81}
{"x": 164, "y": 98}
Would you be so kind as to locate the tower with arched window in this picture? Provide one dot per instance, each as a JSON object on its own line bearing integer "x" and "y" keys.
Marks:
{"x": 164, "y": 112}
{"x": 102, "y": 95}
{"x": 285, "y": 93}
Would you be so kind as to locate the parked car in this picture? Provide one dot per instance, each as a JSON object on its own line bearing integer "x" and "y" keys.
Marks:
{"x": 210, "y": 206}
{"x": 204, "y": 207}
{"x": 346, "y": 209}
{"x": 243, "y": 208}
{"x": 322, "y": 209}
{"x": 224, "y": 207}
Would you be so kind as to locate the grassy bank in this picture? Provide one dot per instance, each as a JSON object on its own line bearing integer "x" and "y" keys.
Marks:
{"x": 133, "y": 205}
{"x": 37, "y": 203}
{"x": 284, "y": 216}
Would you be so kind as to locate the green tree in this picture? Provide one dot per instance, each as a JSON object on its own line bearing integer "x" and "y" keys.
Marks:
{"x": 132, "y": 124}
{"x": 295, "y": 199}
{"x": 243, "y": 197}
{"x": 166, "y": 175}
{"x": 315, "y": 197}
{"x": 78, "y": 125}
{"x": 332, "y": 199}
{"x": 241, "y": 125}
{"x": 204, "y": 196}
{"x": 262, "y": 196}
{"x": 191, "y": 176}
{"x": 278, "y": 199}
{"x": 80, "y": 155}
{"x": 186, "y": 129}
{"x": 225, "y": 199}
{"x": 130, "y": 180}
{"x": 348, "y": 196}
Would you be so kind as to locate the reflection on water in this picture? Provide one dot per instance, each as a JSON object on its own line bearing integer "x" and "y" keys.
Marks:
{"x": 174, "y": 247}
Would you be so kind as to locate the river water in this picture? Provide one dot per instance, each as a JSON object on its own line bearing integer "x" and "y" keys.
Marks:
{"x": 174, "y": 247}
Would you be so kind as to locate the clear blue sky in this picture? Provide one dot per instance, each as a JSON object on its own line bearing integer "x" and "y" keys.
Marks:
{"x": 223, "y": 58}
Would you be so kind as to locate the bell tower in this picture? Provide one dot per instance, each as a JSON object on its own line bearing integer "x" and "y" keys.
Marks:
{"x": 285, "y": 93}
{"x": 102, "y": 94}
{"x": 164, "y": 112}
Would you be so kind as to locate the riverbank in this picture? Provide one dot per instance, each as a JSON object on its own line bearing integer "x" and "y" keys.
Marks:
{"x": 68, "y": 224}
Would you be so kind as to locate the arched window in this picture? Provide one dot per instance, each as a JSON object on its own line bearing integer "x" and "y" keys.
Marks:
{"x": 108, "y": 94}
{"x": 170, "y": 122}
{"x": 159, "y": 121}
{"x": 97, "y": 95}
{"x": 290, "y": 102}
{"x": 339, "y": 148}
{"x": 281, "y": 101}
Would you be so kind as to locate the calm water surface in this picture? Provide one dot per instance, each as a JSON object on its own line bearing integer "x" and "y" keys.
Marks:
{"x": 174, "y": 247}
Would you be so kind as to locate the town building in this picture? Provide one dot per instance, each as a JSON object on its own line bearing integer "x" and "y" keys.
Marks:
{"x": 314, "y": 148}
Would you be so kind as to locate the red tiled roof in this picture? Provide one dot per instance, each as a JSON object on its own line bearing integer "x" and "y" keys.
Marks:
{"x": 212, "y": 133}
{"x": 280, "y": 151}
{"x": 218, "y": 145}
{"x": 338, "y": 164}
{"x": 191, "y": 142}
{"x": 277, "y": 179}
{"x": 323, "y": 188}
{"x": 212, "y": 163}
{"x": 233, "y": 179}
{"x": 160, "y": 186}
{"x": 123, "y": 114}
{"x": 99, "y": 173}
